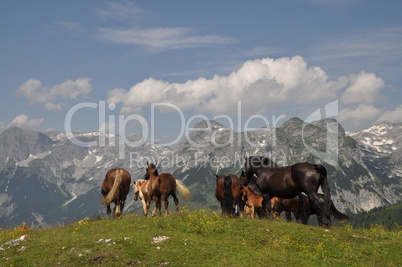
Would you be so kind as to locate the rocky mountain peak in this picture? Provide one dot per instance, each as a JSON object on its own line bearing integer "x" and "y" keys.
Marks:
{"x": 18, "y": 144}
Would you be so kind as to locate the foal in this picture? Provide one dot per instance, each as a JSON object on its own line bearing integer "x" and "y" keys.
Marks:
{"x": 288, "y": 206}
{"x": 253, "y": 203}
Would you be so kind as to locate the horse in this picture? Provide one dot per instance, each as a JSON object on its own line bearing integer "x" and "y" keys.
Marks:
{"x": 227, "y": 192}
{"x": 290, "y": 205}
{"x": 253, "y": 203}
{"x": 162, "y": 186}
{"x": 290, "y": 181}
{"x": 140, "y": 189}
{"x": 115, "y": 188}
{"x": 307, "y": 208}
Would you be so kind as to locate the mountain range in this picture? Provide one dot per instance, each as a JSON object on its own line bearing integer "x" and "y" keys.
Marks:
{"x": 46, "y": 179}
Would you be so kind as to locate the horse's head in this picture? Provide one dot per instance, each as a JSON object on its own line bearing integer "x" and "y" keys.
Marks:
{"x": 150, "y": 171}
{"x": 249, "y": 169}
{"x": 136, "y": 189}
{"x": 242, "y": 179}
{"x": 255, "y": 163}
{"x": 244, "y": 193}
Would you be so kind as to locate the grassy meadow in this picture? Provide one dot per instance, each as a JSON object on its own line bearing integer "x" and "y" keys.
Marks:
{"x": 200, "y": 238}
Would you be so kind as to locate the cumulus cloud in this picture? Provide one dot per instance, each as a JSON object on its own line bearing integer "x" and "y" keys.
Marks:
{"x": 261, "y": 85}
{"x": 33, "y": 90}
{"x": 361, "y": 116}
{"x": 363, "y": 88}
{"x": 23, "y": 121}
{"x": 362, "y": 113}
{"x": 392, "y": 116}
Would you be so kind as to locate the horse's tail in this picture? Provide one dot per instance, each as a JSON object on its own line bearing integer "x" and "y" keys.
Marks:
{"x": 227, "y": 196}
{"x": 327, "y": 193}
{"x": 114, "y": 192}
{"x": 183, "y": 190}
{"x": 337, "y": 214}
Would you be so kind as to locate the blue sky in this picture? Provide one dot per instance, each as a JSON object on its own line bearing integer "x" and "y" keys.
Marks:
{"x": 229, "y": 60}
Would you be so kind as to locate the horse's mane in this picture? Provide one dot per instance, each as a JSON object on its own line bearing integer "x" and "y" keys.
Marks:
{"x": 261, "y": 162}
{"x": 252, "y": 185}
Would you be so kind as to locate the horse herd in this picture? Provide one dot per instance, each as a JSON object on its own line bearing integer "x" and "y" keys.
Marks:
{"x": 263, "y": 189}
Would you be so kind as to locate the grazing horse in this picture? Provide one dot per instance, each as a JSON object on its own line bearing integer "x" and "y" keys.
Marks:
{"x": 162, "y": 186}
{"x": 307, "y": 208}
{"x": 227, "y": 192}
{"x": 253, "y": 203}
{"x": 290, "y": 181}
{"x": 141, "y": 191}
{"x": 114, "y": 189}
{"x": 290, "y": 205}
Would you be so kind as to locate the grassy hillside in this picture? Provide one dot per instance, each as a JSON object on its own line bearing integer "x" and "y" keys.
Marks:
{"x": 200, "y": 238}
{"x": 386, "y": 216}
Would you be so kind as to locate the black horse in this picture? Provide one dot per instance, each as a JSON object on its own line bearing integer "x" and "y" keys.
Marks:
{"x": 290, "y": 181}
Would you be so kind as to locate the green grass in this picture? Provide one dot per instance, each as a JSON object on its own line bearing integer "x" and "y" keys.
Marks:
{"x": 201, "y": 238}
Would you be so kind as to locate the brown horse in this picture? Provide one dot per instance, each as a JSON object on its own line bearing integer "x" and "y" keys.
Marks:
{"x": 114, "y": 189}
{"x": 162, "y": 186}
{"x": 290, "y": 181}
{"x": 227, "y": 192}
{"x": 307, "y": 209}
{"x": 253, "y": 203}
{"x": 141, "y": 191}
{"x": 290, "y": 205}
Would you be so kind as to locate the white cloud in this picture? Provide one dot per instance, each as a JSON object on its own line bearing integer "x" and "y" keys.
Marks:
{"x": 161, "y": 39}
{"x": 392, "y": 116}
{"x": 261, "y": 85}
{"x": 53, "y": 106}
{"x": 120, "y": 11}
{"x": 362, "y": 113}
{"x": 385, "y": 43}
{"x": 364, "y": 88}
{"x": 33, "y": 90}
{"x": 23, "y": 121}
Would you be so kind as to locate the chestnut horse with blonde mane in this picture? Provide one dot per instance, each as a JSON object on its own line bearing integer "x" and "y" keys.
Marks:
{"x": 140, "y": 188}
{"x": 162, "y": 186}
{"x": 114, "y": 189}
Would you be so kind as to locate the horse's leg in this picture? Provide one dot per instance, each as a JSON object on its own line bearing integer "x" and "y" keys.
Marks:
{"x": 144, "y": 206}
{"x": 319, "y": 219}
{"x": 166, "y": 204}
{"x": 160, "y": 206}
{"x": 241, "y": 212}
{"x": 157, "y": 206}
{"x": 296, "y": 213}
{"x": 176, "y": 202}
{"x": 109, "y": 211}
{"x": 115, "y": 210}
{"x": 318, "y": 207}
{"x": 147, "y": 204}
{"x": 288, "y": 215}
{"x": 252, "y": 211}
{"x": 266, "y": 204}
{"x": 121, "y": 207}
